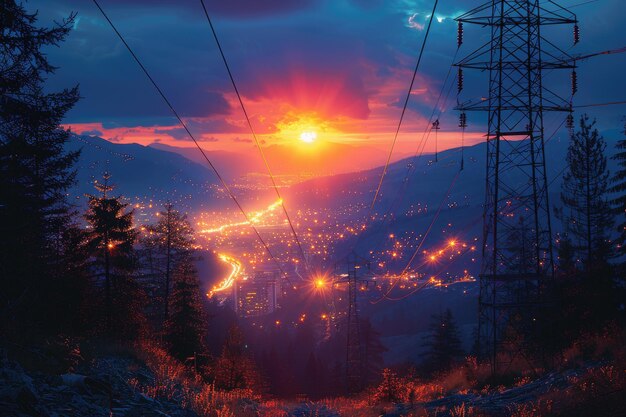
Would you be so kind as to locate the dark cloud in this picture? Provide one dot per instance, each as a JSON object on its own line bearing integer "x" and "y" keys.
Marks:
{"x": 252, "y": 8}
{"x": 119, "y": 99}
{"x": 133, "y": 122}
{"x": 327, "y": 56}
{"x": 230, "y": 8}
{"x": 176, "y": 133}
{"x": 369, "y": 4}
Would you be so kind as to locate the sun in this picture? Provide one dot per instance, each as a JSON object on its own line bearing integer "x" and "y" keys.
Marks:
{"x": 308, "y": 136}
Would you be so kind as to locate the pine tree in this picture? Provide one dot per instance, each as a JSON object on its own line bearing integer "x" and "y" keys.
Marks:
{"x": 35, "y": 170}
{"x": 373, "y": 350}
{"x": 390, "y": 388}
{"x": 71, "y": 293}
{"x": 586, "y": 212}
{"x": 234, "y": 369}
{"x": 312, "y": 376}
{"x": 566, "y": 256}
{"x": 522, "y": 248}
{"x": 618, "y": 189}
{"x": 170, "y": 243}
{"x": 186, "y": 324}
{"x": 111, "y": 241}
{"x": 444, "y": 344}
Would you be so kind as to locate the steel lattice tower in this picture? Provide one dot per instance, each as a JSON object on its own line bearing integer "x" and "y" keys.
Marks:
{"x": 347, "y": 271}
{"x": 517, "y": 239}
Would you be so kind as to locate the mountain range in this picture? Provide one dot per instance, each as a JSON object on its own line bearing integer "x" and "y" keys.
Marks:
{"x": 416, "y": 185}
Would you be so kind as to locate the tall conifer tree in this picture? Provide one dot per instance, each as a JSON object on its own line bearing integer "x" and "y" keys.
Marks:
{"x": 170, "y": 243}
{"x": 618, "y": 189}
{"x": 111, "y": 241}
{"x": 586, "y": 211}
{"x": 35, "y": 170}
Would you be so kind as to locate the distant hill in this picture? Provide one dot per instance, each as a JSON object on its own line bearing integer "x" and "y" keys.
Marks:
{"x": 144, "y": 172}
{"x": 231, "y": 165}
{"x": 324, "y": 158}
{"x": 427, "y": 180}
{"x": 410, "y": 206}
{"x": 162, "y": 172}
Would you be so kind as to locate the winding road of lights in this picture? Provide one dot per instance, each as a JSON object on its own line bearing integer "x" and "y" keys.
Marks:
{"x": 254, "y": 218}
{"x": 230, "y": 279}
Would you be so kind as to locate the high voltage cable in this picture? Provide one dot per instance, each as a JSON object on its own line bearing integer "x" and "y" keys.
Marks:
{"x": 610, "y": 103}
{"x": 393, "y": 285}
{"x": 404, "y": 107}
{"x": 608, "y": 52}
{"x": 426, "y": 134}
{"x": 579, "y": 4}
{"x": 184, "y": 125}
{"x": 425, "y": 284}
{"x": 256, "y": 140}
{"x": 419, "y": 246}
{"x": 419, "y": 150}
{"x": 371, "y": 208}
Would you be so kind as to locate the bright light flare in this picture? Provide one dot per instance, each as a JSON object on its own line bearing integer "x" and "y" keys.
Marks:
{"x": 308, "y": 136}
{"x": 320, "y": 283}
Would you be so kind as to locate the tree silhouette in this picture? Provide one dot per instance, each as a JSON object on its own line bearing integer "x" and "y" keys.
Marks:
{"x": 373, "y": 350}
{"x": 522, "y": 248}
{"x": 588, "y": 298}
{"x": 618, "y": 188}
{"x": 444, "y": 344}
{"x": 71, "y": 297}
{"x": 170, "y": 242}
{"x": 586, "y": 212}
{"x": 234, "y": 369}
{"x": 186, "y": 324}
{"x": 35, "y": 169}
{"x": 390, "y": 388}
{"x": 111, "y": 242}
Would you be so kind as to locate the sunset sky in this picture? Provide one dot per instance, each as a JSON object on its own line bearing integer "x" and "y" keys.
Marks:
{"x": 326, "y": 71}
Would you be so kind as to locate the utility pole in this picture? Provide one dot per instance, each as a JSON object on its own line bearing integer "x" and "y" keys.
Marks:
{"x": 516, "y": 59}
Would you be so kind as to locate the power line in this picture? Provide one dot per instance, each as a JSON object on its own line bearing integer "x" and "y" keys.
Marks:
{"x": 620, "y": 50}
{"x": 469, "y": 225}
{"x": 608, "y": 52}
{"x": 184, "y": 125}
{"x": 582, "y": 3}
{"x": 256, "y": 140}
{"x": 404, "y": 107}
{"x": 419, "y": 246}
{"x": 371, "y": 208}
{"x": 610, "y": 103}
{"x": 419, "y": 150}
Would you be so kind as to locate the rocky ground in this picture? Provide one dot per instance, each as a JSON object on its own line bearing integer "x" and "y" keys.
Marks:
{"x": 96, "y": 388}
{"x": 117, "y": 384}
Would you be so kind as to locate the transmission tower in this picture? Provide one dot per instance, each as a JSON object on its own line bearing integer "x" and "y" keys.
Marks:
{"x": 517, "y": 243}
{"x": 350, "y": 271}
